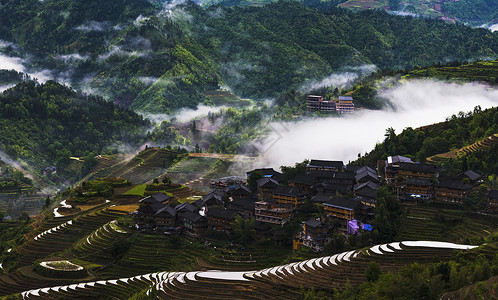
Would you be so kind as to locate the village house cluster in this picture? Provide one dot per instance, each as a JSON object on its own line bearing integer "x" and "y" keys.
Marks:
{"x": 344, "y": 105}
{"x": 347, "y": 195}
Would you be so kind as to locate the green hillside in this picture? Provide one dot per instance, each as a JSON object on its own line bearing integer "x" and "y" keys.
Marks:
{"x": 45, "y": 125}
{"x": 158, "y": 61}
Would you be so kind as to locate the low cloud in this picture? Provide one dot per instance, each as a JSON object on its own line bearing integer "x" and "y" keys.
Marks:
{"x": 414, "y": 104}
{"x": 93, "y": 26}
{"x": 184, "y": 114}
{"x": 11, "y": 63}
{"x": 75, "y": 57}
{"x": 402, "y": 13}
{"x": 339, "y": 79}
{"x": 6, "y": 87}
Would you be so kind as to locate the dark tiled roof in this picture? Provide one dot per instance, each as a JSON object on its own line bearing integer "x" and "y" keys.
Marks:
{"x": 247, "y": 204}
{"x": 238, "y": 188}
{"x": 185, "y": 206}
{"x": 493, "y": 194}
{"x": 199, "y": 203}
{"x": 419, "y": 182}
{"x": 313, "y": 223}
{"x": 349, "y": 98}
{"x": 160, "y": 197}
{"x": 453, "y": 184}
{"x": 304, "y": 179}
{"x": 366, "y": 175}
{"x": 320, "y": 174}
{"x": 166, "y": 211}
{"x": 342, "y": 203}
{"x": 267, "y": 172}
{"x": 368, "y": 184}
{"x": 152, "y": 208}
{"x": 222, "y": 213}
{"x": 326, "y": 163}
{"x": 473, "y": 176}
{"x": 192, "y": 216}
{"x": 366, "y": 168}
{"x": 321, "y": 198}
{"x": 366, "y": 192}
{"x": 267, "y": 182}
{"x": 341, "y": 188}
{"x": 398, "y": 159}
{"x": 148, "y": 199}
{"x": 288, "y": 191}
{"x": 426, "y": 168}
{"x": 216, "y": 194}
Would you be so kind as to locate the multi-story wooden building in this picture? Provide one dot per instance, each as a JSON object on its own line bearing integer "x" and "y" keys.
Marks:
{"x": 304, "y": 182}
{"x": 269, "y": 212}
{"x": 193, "y": 223}
{"x": 417, "y": 170}
{"x": 287, "y": 195}
{"x": 493, "y": 201}
{"x": 325, "y": 165}
{"x": 313, "y": 235}
{"x": 341, "y": 209}
{"x": 220, "y": 219}
{"x": 266, "y": 187}
{"x": 345, "y": 105}
{"x": 451, "y": 190}
{"x": 412, "y": 190}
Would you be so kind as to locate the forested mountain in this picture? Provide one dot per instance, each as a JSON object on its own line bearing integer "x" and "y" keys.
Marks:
{"x": 47, "y": 124}
{"x": 160, "y": 58}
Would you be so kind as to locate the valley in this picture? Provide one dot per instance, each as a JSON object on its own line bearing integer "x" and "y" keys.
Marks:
{"x": 241, "y": 149}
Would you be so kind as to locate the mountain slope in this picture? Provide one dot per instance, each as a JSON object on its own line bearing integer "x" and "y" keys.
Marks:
{"x": 160, "y": 58}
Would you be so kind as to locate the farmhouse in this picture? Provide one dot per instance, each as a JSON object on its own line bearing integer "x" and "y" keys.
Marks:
{"x": 493, "y": 201}
{"x": 269, "y": 212}
{"x": 325, "y": 165}
{"x": 451, "y": 190}
{"x": 313, "y": 235}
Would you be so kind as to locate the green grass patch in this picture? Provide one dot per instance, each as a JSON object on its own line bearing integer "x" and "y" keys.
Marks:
{"x": 138, "y": 190}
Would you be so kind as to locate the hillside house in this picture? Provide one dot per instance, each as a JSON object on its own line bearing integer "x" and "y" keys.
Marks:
{"x": 165, "y": 217}
{"x": 413, "y": 190}
{"x": 493, "y": 201}
{"x": 313, "y": 235}
{"x": 270, "y": 212}
{"x": 304, "y": 182}
{"x": 267, "y": 173}
{"x": 345, "y": 105}
{"x": 325, "y": 165}
{"x": 452, "y": 190}
{"x": 418, "y": 170}
{"x": 193, "y": 223}
{"x": 243, "y": 206}
{"x": 314, "y": 102}
{"x": 287, "y": 195}
{"x": 214, "y": 198}
{"x": 224, "y": 182}
{"x": 219, "y": 219}
{"x": 392, "y": 165}
{"x": 366, "y": 193}
{"x": 340, "y": 209}
{"x": 331, "y": 188}
{"x": 470, "y": 175}
{"x": 238, "y": 191}
{"x": 266, "y": 187}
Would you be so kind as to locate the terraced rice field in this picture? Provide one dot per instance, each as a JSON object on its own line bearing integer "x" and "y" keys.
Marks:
{"x": 145, "y": 166}
{"x": 443, "y": 225}
{"x": 280, "y": 282}
{"x": 477, "y": 146}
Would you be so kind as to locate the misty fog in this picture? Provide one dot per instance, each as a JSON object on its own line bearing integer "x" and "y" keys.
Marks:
{"x": 414, "y": 104}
